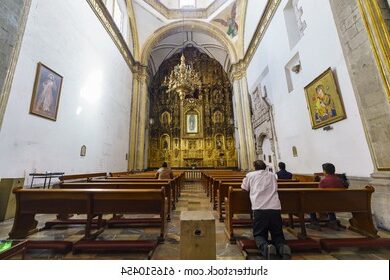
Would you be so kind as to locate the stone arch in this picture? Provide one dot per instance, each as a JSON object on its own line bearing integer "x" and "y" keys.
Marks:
{"x": 193, "y": 25}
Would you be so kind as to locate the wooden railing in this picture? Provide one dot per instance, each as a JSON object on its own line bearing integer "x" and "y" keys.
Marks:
{"x": 193, "y": 175}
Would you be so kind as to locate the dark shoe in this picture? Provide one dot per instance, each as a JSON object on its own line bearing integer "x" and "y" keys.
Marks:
{"x": 270, "y": 252}
{"x": 314, "y": 226}
{"x": 285, "y": 252}
{"x": 333, "y": 225}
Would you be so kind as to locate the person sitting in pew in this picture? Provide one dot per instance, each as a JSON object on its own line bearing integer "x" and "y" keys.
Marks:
{"x": 263, "y": 191}
{"x": 330, "y": 180}
{"x": 164, "y": 172}
{"x": 283, "y": 173}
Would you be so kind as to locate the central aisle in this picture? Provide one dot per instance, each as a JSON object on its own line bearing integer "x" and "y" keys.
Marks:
{"x": 193, "y": 198}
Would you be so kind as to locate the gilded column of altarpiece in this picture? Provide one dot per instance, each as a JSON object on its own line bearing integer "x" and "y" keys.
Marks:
{"x": 197, "y": 130}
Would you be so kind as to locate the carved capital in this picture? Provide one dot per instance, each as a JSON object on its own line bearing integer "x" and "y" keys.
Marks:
{"x": 140, "y": 72}
{"x": 238, "y": 71}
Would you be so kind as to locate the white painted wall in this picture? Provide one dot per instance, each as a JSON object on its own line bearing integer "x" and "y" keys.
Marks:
{"x": 254, "y": 10}
{"x": 94, "y": 108}
{"x": 147, "y": 23}
{"x": 319, "y": 48}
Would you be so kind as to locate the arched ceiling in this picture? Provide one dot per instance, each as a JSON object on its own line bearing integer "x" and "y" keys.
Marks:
{"x": 177, "y": 41}
{"x": 177, "y": 9}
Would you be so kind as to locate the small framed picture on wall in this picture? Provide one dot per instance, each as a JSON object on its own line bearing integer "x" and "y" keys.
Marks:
{"x": 46, "y": 94}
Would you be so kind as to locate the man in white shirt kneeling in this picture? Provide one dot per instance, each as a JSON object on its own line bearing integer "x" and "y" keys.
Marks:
{"x": 263, "y": 191}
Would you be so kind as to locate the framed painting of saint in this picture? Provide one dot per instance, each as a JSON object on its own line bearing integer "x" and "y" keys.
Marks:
{"x": 46, "y": 94}
{"x": 192, "y": 123}
{"x": 324, "y": 101}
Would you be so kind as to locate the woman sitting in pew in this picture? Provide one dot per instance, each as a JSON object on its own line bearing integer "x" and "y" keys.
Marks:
{"x": 164, "y": 172}
{"x": 330, "y": 180}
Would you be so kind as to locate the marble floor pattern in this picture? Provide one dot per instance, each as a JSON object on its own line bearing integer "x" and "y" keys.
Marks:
{"x": 192, "y": 198}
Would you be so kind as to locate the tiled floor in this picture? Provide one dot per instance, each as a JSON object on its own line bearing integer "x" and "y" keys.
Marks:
{"x": 192, "y": 198}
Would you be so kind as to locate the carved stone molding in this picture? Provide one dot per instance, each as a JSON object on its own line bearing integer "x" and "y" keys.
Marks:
{"x": 105, "y": 18}
{"x": 133, "y": 28}
{"x": 261, "y": 28}
{"x": 183, "y": 13}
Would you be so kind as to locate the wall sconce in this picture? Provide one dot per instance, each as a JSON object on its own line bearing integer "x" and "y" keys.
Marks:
{"x": 297, "y": 68}
{"x": 151, "y": 121}
{"x": 83, "y": 151}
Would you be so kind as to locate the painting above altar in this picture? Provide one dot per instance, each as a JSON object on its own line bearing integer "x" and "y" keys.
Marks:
{"x": 192, "y": 123}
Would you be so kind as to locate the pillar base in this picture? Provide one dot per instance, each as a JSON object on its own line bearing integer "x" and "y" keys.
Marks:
{"x": 381, "y": 199}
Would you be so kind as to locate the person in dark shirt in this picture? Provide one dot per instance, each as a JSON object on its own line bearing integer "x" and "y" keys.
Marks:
{"x": 282, "y": 173}
{"x": 330, "y": 180}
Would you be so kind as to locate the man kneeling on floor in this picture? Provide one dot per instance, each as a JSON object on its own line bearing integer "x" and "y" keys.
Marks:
{"x": 263, "y": 191}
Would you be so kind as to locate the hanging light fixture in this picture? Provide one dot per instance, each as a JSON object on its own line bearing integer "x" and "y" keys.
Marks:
{"x": 183, "y": 79}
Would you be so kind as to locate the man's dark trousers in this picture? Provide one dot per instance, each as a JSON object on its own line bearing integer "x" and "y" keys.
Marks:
{"x": 264, "y": 221}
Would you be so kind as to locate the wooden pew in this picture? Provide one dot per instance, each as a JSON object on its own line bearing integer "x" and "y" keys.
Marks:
{"x": 217, "y": 181}
{"x": 177, "y": 180}
{"x": 214, "y": 183}
{"x": 127, "y": 185}
{"x": 207, "y": 177}
{"x": 304, "y": 177}
{"x": 301, "y": 201}
{"x": 81, "y": 177}
{"x": 224, "y": 190}
{"x": 150, "y": 174}
{"x": 91, "y": 202}
{"x": 174, "y": 184}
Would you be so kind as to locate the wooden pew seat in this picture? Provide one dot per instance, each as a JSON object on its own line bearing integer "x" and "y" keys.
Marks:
{"x": 223, "y": 189}
{"x": 92, "y": 202}
{"x": 303, "y": 201}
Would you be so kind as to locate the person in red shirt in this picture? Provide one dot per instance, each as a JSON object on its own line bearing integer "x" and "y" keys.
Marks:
{"x": 331, "y": 180}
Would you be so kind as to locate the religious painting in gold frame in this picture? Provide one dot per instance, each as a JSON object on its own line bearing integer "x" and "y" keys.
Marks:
{"x": 46, "y": 94}
{"x": 192, "y": 123}
{"x": 324, "y": 100}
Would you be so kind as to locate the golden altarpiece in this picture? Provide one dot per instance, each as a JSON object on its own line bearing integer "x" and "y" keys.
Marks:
{"x": 195, "y": 129}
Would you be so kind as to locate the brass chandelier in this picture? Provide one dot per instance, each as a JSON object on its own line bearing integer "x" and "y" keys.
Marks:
{"x": 183, "y": 79}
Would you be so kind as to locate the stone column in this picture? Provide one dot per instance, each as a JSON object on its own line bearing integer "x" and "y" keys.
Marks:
{"x": 13, "y": 18}
{"x": 243, "y": 118}
{"x": 360, "y": 37}
{"x": 138, "y": 118}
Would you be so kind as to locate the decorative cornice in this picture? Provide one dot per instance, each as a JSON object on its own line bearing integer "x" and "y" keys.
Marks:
{"x": 105, "y": 18}
{"x": 244, "y": 8}
{"x": 133, "y": 28}
{"x": 261, "y": 29}
{"x": 379, "y": 38}
{"x": 183, "y": 13}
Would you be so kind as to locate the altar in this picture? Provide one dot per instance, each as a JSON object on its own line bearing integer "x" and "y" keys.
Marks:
{"x": 191, "y": 125}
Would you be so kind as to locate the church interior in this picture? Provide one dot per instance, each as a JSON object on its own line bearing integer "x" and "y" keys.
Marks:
{"x": 95, "y": 95}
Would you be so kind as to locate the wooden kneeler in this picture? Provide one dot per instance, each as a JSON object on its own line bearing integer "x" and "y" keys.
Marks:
{"x": 330, "y": 244}
{"x": 296, "y": 245}
{"x": 134, "y": 246}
